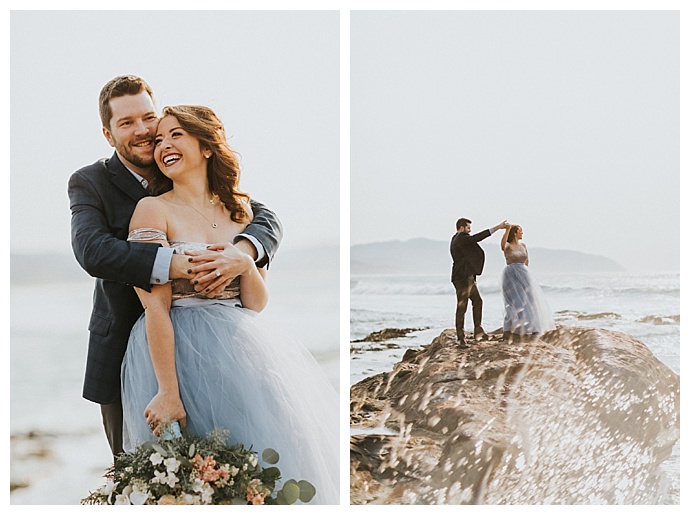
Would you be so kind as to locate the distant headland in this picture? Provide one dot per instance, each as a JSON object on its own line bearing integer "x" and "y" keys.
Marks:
{"x": 425, "y": 256}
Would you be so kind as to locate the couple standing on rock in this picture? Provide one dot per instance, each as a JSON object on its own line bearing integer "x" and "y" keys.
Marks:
{"x": 525, "y": 309}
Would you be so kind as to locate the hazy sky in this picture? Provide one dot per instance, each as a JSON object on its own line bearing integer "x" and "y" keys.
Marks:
{"x": 273, "y": 78}
{"x": 566, "y": 122}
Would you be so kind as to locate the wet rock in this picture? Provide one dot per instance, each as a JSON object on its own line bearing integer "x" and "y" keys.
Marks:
{"x": 389, "y": 334}
{"x": 578, "y": 416}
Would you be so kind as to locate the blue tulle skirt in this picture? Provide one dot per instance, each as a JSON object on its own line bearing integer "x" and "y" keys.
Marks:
{"x": 525, "y": 307}
{"x": 233, "y": 373}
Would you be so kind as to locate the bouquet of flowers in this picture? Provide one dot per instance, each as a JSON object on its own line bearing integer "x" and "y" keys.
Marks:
{"x": 184, "y": 469}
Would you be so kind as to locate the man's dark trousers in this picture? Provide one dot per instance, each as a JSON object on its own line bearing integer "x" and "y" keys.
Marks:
{"x": 466, "y": 289}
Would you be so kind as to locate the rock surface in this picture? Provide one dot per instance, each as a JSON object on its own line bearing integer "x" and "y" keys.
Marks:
{"x": 387, "y": 334}
{"x": 579, "y": 416}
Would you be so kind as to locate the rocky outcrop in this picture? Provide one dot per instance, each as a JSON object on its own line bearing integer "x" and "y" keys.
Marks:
{"x": 579, "y": 416}
{"x": 389, "y": 333}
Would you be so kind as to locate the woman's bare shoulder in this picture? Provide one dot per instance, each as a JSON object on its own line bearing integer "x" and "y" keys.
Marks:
{"x": 150, "y": 212}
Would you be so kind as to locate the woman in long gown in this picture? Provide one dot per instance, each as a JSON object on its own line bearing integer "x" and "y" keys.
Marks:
{"x": 211, "y": 363}
{"x": 526, "y": 310}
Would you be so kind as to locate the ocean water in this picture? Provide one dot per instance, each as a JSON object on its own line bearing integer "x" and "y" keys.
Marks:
{"x": 57, "y": 441}
{"x": 644, "y": 306}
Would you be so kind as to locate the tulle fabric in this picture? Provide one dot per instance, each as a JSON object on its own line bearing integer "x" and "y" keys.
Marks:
{"x": 526, "y": 309}
{"x": 267, "y": 390}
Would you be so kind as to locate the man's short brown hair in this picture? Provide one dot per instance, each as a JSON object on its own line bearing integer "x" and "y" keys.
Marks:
{"x": 119, "y": 87}
{"x": 462, "y": 222}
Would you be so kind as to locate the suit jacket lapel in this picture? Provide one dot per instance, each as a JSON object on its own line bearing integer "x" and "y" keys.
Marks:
{"x": 124, "y": 180}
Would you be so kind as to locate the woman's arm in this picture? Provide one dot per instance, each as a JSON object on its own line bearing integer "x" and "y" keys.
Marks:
{"x": 166, "y": 406}
{"x": 504, "y": 239}
{"x": 253, "y": 290}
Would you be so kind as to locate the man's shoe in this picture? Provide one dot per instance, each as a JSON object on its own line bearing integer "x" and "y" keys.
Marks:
{"x": 479, "y": 334}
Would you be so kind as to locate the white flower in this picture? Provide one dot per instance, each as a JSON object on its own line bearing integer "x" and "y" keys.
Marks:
{"x": 109, "y": 486}
{"x": 138, "y": 498}
{"x": 156, "y": 458}
{"x": 207, "y": 494}
{"x": 171, "y": 464}
{"x": 169, "y": 479}
{"x": 161, "y": 477}
{"x": 122, "y": 499}
{"x": 197, "y": 484}
{"x": 253, "y": 460}
{"x": 172, "y": 479}
{"x": 138, "y": 495}
{"x": 190, "y": 499}
{"x": 234, "y": 471}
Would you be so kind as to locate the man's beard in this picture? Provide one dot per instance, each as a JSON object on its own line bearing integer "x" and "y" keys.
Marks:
{"x": 133, "y": 158}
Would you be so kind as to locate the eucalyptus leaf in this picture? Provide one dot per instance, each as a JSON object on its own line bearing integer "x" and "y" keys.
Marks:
{"x": 160, "y": 450}
{"x": 306, "y": 491}
{"x": 147, "y": 445}
{"x": 270, "y": 456}
{"x": 271, "y": 474}
{"x": 290, "y": 491}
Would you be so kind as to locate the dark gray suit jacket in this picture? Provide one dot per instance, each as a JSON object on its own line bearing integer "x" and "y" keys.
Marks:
{"x": 103, "y": 196}
{"x": 468, "y": 256}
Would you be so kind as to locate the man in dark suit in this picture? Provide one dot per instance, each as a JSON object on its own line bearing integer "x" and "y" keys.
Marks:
{"x": 103, "y": 196}
{"x": 468, "y": 263}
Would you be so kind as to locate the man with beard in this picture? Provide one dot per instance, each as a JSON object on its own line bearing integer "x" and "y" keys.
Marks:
{"x": 103, "y": 196}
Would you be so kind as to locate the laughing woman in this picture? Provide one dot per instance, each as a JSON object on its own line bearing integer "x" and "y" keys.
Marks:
{"x": 211, "y": 363}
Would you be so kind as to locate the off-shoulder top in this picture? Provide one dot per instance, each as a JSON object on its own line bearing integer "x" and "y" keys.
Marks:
{"x": 182, "y": 288}
{"x": 515, "y": 254}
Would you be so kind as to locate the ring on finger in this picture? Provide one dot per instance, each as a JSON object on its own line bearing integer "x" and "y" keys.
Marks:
{"x": 217, "y": 273}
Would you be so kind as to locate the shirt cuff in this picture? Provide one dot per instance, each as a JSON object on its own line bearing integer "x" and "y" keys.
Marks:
{"x": 161, "y": 266}
{"x": 260, "y": 252}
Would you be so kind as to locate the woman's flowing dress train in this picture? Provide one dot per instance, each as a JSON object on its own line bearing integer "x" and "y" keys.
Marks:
{"x": 526, "y": 309}
{"x": 236, "y": 374}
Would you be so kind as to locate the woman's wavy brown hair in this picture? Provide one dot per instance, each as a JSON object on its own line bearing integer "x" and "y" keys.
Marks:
{"x": 512, "y": 232}
{"x": 223, "y": 169}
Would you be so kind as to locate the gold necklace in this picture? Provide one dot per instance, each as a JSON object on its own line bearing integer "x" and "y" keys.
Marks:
{"x": 213, "y": 223}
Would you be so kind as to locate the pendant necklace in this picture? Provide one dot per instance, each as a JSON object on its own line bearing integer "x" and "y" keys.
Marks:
{"x": 213, "y": 223}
